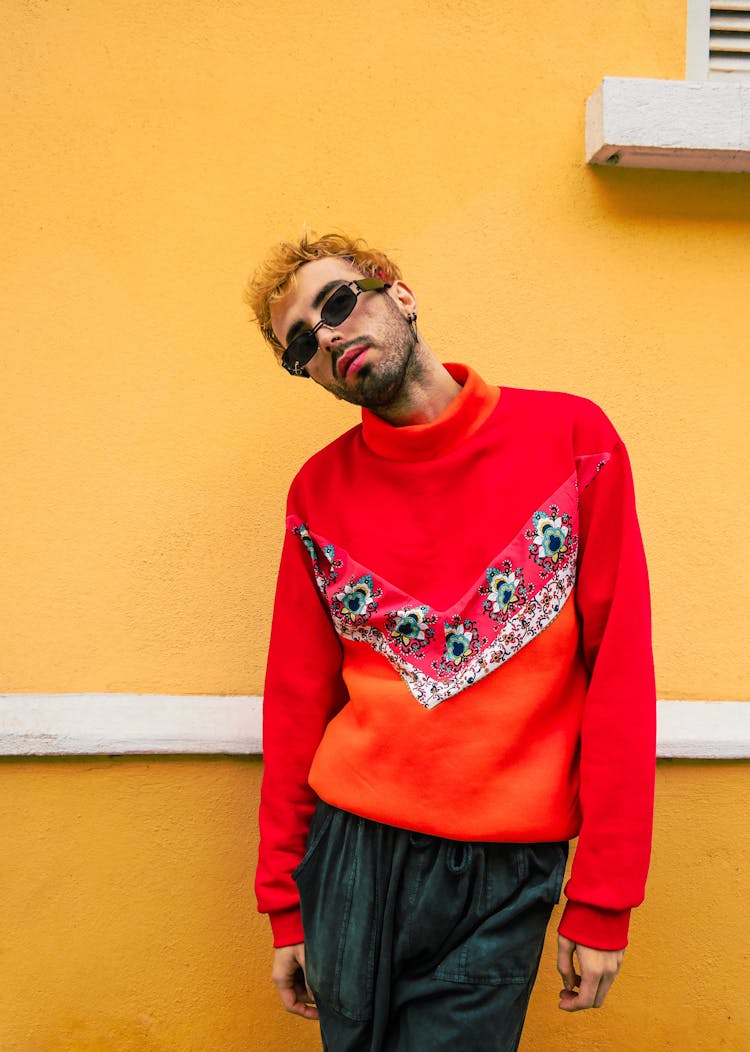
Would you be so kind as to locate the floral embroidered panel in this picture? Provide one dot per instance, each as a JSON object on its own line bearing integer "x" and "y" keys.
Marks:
{"x": 439, "y": 653}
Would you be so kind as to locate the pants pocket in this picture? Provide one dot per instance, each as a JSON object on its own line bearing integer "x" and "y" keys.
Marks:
{"x": 321, "y": 820}
{"x": 509, "y": 916}
{"x": 559, "y": 873}
{"x": 335, "y": 883}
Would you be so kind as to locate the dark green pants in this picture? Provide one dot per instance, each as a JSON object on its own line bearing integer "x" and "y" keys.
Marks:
{"x": 418, "y": 944}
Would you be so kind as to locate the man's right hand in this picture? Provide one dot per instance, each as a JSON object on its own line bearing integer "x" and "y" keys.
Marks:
{"x": 289, "y": 976}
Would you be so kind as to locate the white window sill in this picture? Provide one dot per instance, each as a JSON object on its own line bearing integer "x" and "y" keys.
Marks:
{"x": 159, "y": 724}
{"x": 699, "y": 126}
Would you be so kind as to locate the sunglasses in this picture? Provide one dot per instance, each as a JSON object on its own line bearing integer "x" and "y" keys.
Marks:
{"x": 336, "y": 309}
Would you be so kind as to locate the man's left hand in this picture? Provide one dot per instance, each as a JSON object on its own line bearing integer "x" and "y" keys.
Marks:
{"x": 598, "y": 971}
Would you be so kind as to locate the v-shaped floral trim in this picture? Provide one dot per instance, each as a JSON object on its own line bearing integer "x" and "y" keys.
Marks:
{"x": 439, "y": 653}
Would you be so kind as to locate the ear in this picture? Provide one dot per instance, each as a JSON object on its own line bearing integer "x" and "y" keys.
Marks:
{"x": 404, "y": 297}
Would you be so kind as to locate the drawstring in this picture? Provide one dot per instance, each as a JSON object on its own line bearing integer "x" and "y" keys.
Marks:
{"x": 458, "y": 855}
{"x": 458, "y": 858}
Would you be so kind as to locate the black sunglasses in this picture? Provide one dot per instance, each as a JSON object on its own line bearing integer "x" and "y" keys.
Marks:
{"x": 336, "y": 309}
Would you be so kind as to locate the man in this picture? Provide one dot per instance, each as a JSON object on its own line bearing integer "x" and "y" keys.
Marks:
{"x": 459, "y": 681}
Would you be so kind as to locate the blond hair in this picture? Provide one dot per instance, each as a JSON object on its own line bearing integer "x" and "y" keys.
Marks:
{"x": 278, "y": 272}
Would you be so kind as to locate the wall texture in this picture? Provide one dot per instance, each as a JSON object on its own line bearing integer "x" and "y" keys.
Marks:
{"x": 153, "y": 152}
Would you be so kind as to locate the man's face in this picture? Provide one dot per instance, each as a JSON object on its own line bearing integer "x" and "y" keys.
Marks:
{"x": 364, "y": 359}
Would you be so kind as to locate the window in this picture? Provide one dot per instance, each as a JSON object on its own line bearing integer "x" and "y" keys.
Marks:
{"x": 718, "y": 40}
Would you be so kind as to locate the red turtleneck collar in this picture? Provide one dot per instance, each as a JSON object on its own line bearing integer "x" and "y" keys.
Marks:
{"x": 465, "y": 415}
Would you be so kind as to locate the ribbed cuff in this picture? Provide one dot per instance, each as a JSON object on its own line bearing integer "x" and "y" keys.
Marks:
{"x": 590, "y": 926}
{"x": 286, "y": 926}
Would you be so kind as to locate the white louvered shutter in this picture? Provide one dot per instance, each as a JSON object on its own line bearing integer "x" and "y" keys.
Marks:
{"x": 729, "y": 39}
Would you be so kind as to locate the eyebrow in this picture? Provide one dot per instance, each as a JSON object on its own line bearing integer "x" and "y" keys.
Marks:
{"x": 320, "y": 295}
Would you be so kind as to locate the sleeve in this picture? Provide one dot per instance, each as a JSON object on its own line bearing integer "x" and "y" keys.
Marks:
{"x": 303, "y": 690}
{"x": 618, "y": 747}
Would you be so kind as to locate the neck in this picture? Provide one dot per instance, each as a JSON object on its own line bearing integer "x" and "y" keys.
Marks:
{"x": 427, "y": 391}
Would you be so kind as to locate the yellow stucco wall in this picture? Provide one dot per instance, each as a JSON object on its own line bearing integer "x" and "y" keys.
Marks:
{"x": 126, "y": 923}
{"x": 153, "y": 152}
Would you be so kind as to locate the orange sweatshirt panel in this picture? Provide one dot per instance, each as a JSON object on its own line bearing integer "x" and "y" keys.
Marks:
{"x": 437, "y": 774}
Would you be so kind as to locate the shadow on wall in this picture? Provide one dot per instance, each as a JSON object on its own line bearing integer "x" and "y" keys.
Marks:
{"x": 639, "y": 192}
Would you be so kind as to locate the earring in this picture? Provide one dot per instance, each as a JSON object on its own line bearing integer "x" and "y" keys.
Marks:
{"x": 411, "y": 318}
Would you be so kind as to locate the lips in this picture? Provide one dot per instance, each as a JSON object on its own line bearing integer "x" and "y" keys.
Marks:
{"x": 347, "y": 358}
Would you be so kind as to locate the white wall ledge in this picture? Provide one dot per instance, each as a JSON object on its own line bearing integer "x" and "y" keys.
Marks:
{"x": 688, "y": 125}
{"x": 113, "y": 724}
{"x": 709, "y": 730}
{"x": 164, "y": 724}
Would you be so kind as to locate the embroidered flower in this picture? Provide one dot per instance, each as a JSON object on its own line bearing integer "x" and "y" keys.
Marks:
{"x": 325, "y": 563}
{"x": 410, "y": 627}
{"x": 458, "y": 641}
{"x": 357, "y": 601}
{"x": 304, "y": 535}
{"x": 550, "y": 536}
{"x": 504, "y": 587}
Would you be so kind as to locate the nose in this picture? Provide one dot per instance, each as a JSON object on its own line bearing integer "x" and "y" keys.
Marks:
{"x": 328, "y": 336}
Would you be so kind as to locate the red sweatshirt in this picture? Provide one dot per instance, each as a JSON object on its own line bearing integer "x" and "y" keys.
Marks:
{"x": 461, "y": 646}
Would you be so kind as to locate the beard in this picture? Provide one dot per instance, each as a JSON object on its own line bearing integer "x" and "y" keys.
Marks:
{"x": 381, "y": 385}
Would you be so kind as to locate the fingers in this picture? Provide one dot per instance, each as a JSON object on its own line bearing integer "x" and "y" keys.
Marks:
{"x": 603, "y": 990}
{"x": 301, "y": 958}
{"x": 296, "y": 998}
{"x": 565, "y": 966}
{"x": 598, "y": 971}
{"x": 289, "y": 978}
{"x": 588, "y": 990}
